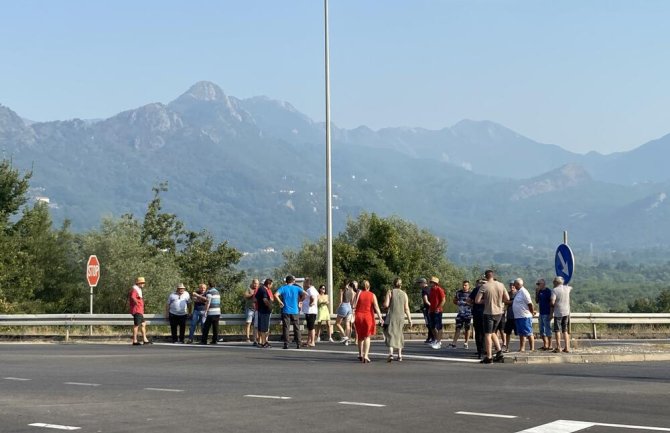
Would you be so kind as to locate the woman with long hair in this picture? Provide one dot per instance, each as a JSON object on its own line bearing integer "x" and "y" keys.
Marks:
{"x": 365, "y": 308}
{"x": 344, "y": 310}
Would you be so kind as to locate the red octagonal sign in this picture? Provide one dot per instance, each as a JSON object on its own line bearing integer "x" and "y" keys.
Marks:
{"x": 93, "y": 271}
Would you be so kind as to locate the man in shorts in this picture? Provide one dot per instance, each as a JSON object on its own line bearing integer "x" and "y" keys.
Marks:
{"x": 523, "y": 316}
{"x": 422, "y": 284}
{"x": 264, "y": 304}
{"x": 543, "y": 299}
{"x": 560, "y": 303}
{"x": 136, "y": 302}
{"x": 250, "y": 307}
{"x": 464, "y": 315}
{"x": 493, "y": 295}
{"x": 310, "y": 310}
{"x": 437, "y": 298}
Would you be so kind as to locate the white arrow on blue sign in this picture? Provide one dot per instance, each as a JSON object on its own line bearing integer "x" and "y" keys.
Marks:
{"x": 565, "y": 262}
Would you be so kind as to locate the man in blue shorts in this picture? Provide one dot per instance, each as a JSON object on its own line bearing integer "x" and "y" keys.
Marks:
{"x": 543, "y": 299}
{"x": 522, "y": 307}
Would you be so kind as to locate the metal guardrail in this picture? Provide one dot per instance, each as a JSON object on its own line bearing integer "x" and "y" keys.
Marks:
{"x": 69, "y": 320}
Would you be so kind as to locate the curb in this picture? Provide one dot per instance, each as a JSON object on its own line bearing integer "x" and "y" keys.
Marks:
{"x": 589, "y": 358}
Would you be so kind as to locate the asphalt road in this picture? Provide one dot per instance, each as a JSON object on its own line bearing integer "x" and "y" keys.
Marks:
{"x": 235, "y": 388}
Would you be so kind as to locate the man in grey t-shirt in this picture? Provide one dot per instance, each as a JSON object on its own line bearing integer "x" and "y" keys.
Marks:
{"x": 560, "y": 305}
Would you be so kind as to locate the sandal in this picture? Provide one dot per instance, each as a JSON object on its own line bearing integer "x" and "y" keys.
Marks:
{"x": 389, "y": 358}
{"x": 399, "y": 359}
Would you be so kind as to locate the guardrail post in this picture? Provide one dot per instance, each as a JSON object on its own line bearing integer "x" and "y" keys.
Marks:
{"x": 67, "y": 333}
{"x": 595, "y": 331}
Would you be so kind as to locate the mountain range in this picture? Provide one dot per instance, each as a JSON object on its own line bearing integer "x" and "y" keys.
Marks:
{"x": 252, "y": 171}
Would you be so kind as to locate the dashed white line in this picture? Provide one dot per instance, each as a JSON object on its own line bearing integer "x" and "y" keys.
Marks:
{"x": 492, "y": 415}
{"x": 275, "y": 397}
{"x": 356, "y": 403}
{"x": 81, "y": 384}
{"x": 16, "y": 378}
{"x": 54, "y": 426}
{"x": 164, "y": 389}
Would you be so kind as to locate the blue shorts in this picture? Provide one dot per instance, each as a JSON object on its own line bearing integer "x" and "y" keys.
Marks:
{"x": 524, "y": 326}
{"x": 545, "y": 325}
{"x": 436, "y": 320}
{"x": 344, "y": 310}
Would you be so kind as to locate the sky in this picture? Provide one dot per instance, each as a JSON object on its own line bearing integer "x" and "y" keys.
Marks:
{"x": 585, "y": 75}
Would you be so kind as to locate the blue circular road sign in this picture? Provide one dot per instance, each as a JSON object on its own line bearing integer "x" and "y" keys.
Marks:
{"x": 565, "y": 262}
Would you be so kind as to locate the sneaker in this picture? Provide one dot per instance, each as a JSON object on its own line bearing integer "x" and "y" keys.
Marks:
{"x": 498, "y": 357}
{"x": 452, "y": 345}
{"x": 436, "y": 345}
{"x": 331, "y": 340}
{"x": 486, "y": 361}
{"x": 465, "y": 345}
{"x": 504, "y": 349}
{"x": 189, "y": 341}
{"x": 285, "y": 346}
{"x": 428, "y": 341}
{"x": 318, "y": 339}
{"x": 255, "y": 344}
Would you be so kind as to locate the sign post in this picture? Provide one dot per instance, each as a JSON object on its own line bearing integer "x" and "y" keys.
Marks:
{"x": 564, "y": 260}
{"x": 92, "y": 276}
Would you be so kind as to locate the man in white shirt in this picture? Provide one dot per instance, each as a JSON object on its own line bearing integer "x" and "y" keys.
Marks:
{"x": 176, "y": 310}
{"x": 310, "y": 310}
{"x": 522, "y": 308}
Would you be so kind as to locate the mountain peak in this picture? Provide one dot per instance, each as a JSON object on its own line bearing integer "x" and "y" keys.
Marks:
{"x": 205, "y": 91}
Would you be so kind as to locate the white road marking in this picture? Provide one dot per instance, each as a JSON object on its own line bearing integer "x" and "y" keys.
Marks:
{"x": 275, "y": 397}
{"x": 16, "y": 378}
{"x": 54, "y": 426}
{"x": 355, "y": 403}
{"x": 81, "y": 384}
{"x": 492, "y": 415}
{"x": 164, "y": 389}
{"x": 569, "y": 426}
{"x": 560, "y": 426}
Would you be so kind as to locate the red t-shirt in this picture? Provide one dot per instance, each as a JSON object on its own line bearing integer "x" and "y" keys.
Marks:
{"x": 435, "y": 298}
{"x": 136, "y": 302}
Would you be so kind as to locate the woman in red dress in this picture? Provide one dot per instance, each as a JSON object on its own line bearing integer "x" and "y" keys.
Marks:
{"x": 365, "y": 307}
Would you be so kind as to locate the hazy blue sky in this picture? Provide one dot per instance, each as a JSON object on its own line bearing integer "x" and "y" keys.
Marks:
{"x": 586, "y": 75}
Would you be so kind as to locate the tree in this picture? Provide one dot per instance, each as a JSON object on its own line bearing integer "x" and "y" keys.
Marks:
{"x": 377, "y": 249}
{"x": 163, "y": 230}
{"x": 13, "y": 188}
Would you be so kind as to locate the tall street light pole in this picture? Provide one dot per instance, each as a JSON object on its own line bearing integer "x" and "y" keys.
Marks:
{"x": 329, "y": 192}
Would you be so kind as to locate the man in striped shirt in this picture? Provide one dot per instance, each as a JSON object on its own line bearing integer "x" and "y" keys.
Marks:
{"x": 213, "y": 313}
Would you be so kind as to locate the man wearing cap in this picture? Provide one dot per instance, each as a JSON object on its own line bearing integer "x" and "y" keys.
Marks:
{"x": 289, "y": 296}
{"x": 176, "y": 310}
{"x": 437, "y": 297}
{"x": 493, "y": 295}
{"x": 136, "y": 302}
{"x": 422, "y": 284}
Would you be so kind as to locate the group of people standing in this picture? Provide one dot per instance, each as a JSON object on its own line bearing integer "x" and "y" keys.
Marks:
{"x": 358, "y": 307}
{"x": 494, "y": 313}
{"x": 202, "y": 307}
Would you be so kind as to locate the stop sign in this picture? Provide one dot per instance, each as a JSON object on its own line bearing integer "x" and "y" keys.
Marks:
{"x": 93, "y": 271}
